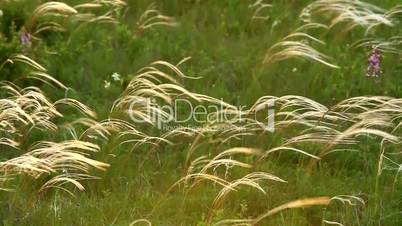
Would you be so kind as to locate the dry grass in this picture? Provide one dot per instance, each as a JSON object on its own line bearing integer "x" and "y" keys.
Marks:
{"x": 352, "y": 13}
{"x": 151, "y": 87}
{"x": 45, "y": 10}
{"x": 69, "y": 162}
{"x": 49, "y": 16}
{"x": 141, "y": 221}
{"x": 391, "y": 45}
{"x": 301, "y": 203}
{"x": 298, "y": 120}
{"x": 26, "y": 109}
{"x": 152, "y": 18}
{"x": 288, "y": 48}
{"x": 258, "y": 8}
{"x": 111, "y": 11}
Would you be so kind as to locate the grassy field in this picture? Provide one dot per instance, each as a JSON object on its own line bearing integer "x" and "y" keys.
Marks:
{"x": 76, "y": 75}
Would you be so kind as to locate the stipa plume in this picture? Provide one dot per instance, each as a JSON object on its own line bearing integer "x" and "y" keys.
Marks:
{"x": 31, "y": 102}
{"x": 341, "y": 124}
{"x": 26, "y": 109}
{"x": 320, "y": 124}
{"x": 139, "y": 221}
{"x": 204, "y": 169}
{"x": 392, "y": 45}
{"x": 388, "y": 163}
{"x": 98, "y": 130}
{"x": 34, "y": 24}
{"x": 89, "y": 12}
{"x": 347, "y": 201}
{"x": 371, "y": 116}
{"x": 221, "y": 159}
{"x": 285, "y": 148}
{"x": 389, "y": 160}
{"x": 258, "y": 7}
{"x": 366, "y": 127}
{"x": 219, "y": 129}
{"x": 359, "y": 107}
{"x": 354, "y": 13}
{"x": 69, "y": 159}
{"x": 298, "y": 110}
{"x": 151, "y": 86}
{"x": 26, "y": 60}
{"x": 37, "y": 71}
{"x": 114, "y": 3}
{"x": 47, "y": 16}
{"x": 289, "y": 48}
{"x": 315, "y": 122}
{"x": 251, "y": 180}
{"x": 118, "y": 131}
{"x": 324, "y": 201}
{"x": 151, "y": 18}
{"x": 201, "y": 137}
{"x": 300, "y": 203}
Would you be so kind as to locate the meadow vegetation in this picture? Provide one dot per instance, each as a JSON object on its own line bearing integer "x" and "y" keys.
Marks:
{"x": 75, "y": 74}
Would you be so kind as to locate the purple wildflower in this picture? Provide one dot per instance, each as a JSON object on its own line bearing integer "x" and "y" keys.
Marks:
{"x": 26, "y": 38}
{"x": 374, "y": 61}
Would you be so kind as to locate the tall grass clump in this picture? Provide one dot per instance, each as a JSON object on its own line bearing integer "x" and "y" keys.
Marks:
{"x": 24, "y": 113}
{"x": 91, "y": 133}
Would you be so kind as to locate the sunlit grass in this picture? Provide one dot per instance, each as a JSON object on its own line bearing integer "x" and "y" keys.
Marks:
{"x": 72, "y": 153}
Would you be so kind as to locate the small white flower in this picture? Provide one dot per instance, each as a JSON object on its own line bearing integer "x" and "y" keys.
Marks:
{"x": 107, "y": 84}
{"x": 1, "y": 13}
{"x": 294, "y": 69}
{"x": 116, "y": 77}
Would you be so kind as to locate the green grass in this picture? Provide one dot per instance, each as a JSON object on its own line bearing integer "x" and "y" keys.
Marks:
{"x": 227, "y": 49}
